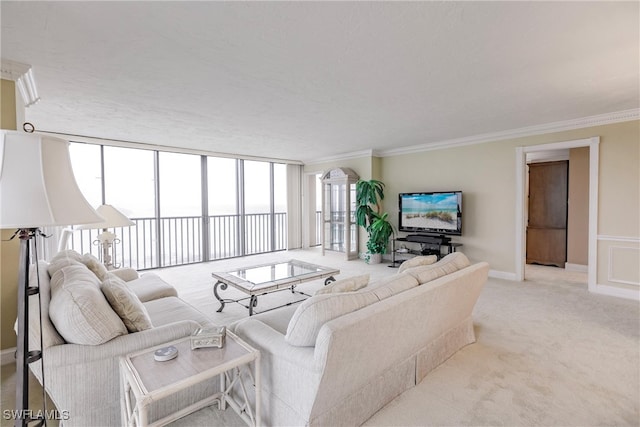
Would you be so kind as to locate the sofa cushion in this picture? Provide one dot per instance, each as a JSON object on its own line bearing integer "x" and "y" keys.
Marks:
{"x": 417, "y": 261}
{"x": 79, "y": 310}
{"x": 67, "y": 254}
{"x": 277, "y": 320}
{"x": 348, "y": 284}
{"x": 70, "y": 257}
{"x": 126, "y": 304}
{"x": 164, "y": 311}
{"x": 126, "y": 274}
{"x": 150, "y": 286}
{"x": 39, "y": 277}
{"x": 314, "y": 312}
{"x": 64, "y": 259}
{"x": 447, "y": 265}
{"x": 389, "y": 286}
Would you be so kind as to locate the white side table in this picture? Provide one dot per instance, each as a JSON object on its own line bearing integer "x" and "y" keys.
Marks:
{"x": 145, "y": 380}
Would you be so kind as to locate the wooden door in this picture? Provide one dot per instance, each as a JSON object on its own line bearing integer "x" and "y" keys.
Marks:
{"x": 547, "y": 226}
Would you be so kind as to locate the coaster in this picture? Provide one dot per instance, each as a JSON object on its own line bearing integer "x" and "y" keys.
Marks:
{"x": 165, "y": 353}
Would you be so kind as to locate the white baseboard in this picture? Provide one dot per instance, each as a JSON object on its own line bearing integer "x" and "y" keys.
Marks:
{"x": 7, "y": 356}
{"x": 576, "y": 267}
{"x": 614, "y": 291}
{"x": 496, "y": 274}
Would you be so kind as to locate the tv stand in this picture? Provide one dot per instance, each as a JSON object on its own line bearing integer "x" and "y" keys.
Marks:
{"x": 441, "y": 239}
{"x": 404, "y": 248}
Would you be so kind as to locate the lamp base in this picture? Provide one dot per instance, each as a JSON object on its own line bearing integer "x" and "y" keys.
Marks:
{"x": 105, "y": 242}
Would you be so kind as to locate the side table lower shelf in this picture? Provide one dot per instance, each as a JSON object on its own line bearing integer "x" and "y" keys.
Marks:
{"x": 145, "y": 380}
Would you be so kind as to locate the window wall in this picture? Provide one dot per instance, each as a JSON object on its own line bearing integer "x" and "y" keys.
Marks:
{"x": 187, "y": 208}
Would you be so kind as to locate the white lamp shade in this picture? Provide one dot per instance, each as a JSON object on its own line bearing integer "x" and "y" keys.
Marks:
{"x": 37, "y": 185}
{"x": 112, "y": 218}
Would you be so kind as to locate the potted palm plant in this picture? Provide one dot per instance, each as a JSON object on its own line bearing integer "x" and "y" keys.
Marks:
{"x": 369, "y": 194}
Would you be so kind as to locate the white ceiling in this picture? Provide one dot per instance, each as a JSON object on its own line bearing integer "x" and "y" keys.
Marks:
{"x": 309, "y": 80}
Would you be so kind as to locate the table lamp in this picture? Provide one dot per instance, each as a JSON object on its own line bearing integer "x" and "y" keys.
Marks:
{"x": 106, "y": 240}
{"x": 37, "y": 188}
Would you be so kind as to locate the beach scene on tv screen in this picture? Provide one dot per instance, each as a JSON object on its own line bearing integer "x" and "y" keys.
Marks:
{"x": 437, "y": 211}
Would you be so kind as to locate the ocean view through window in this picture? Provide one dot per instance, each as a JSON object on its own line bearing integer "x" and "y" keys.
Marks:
{"x": 187, "y": 208}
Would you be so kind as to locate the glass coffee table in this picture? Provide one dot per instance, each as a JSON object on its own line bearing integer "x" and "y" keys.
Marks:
{"x": 264, "y": 279}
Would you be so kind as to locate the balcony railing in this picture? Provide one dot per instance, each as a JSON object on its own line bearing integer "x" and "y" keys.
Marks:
{"x": 182, "y": 239}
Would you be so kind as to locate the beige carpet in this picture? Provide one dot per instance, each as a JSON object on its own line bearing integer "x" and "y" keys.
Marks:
{"x": 548, "y": 352}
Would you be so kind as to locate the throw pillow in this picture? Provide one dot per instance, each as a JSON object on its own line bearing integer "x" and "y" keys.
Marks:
{"x": 79, "y": 310}
{"x": 349, "y": 284}
{"x": 392, "y": 285}
{"x": 126, "y": 304}
{"x": 447, "y": 265}
{"x": 417, "y": 261}
{"x": 63, "y": 259}
{"x": 95, "y": 266}
{"x": 314, "y": 312}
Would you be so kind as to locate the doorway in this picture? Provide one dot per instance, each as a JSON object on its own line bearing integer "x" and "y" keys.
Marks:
{"x": 548, "y": 213}
{"x": 521, "y": 203}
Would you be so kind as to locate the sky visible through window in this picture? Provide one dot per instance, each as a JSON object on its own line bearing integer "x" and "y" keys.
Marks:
{"x": 129, "y": 183}
{"x": 180, "y": 185}
{"x": 130, "y": 186}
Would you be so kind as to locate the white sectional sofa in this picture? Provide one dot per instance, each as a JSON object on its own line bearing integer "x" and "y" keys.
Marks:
{"x": 81, "y": 353}
{"x": 337, "y": 358}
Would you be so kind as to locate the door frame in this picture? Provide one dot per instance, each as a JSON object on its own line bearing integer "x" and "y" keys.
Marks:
{"x": 521, "y": 194}
{"x": 309, "y": 209}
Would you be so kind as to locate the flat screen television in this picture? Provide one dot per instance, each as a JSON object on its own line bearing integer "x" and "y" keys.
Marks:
{"x": 438, "y": 212}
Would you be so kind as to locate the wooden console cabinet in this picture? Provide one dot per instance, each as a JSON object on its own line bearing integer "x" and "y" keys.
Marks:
{"x": 548, "y": 207}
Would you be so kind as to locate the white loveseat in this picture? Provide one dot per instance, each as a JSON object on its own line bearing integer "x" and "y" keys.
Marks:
{"x": 83, "y": 379}
{"x": 338, "y": 358}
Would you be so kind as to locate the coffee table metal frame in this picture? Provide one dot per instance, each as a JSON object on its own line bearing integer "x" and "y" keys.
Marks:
{"x": 144, "y": 380}
{"x": 254, "y": 290}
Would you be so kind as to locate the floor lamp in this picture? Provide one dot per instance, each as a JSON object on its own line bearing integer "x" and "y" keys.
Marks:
{"x": 37, "y": 188}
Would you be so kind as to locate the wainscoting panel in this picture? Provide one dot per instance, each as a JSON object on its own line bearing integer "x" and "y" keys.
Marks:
{"x": 623, "y": 265}
{"x": 619, "y": 265}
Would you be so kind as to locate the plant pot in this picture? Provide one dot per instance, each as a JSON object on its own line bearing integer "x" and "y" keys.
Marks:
{"x": 373, "y": 258}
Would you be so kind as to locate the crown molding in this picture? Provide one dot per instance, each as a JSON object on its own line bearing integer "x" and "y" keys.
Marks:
{"x": 344, "y": 156}
{"x": 12, "y": 70}
{"x": 22, "y": 74}
{"x": 585, "y": 122}
{"x": 565, "y": 125}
